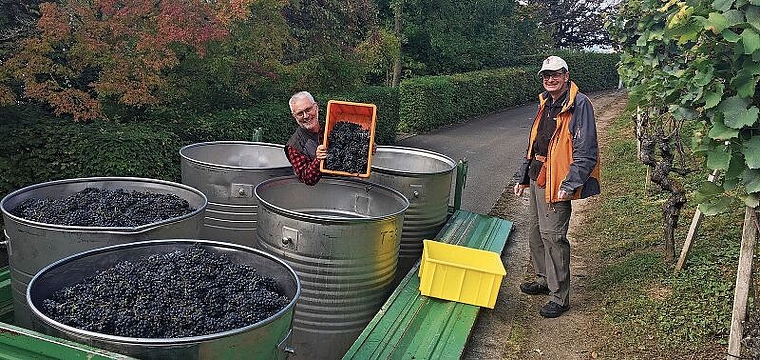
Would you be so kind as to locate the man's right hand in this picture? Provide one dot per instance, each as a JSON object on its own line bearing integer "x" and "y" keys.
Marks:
{"x": 518, "y": 189}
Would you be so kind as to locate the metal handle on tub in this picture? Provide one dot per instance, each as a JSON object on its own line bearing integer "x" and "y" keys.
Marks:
{"x": 283, "y": 346}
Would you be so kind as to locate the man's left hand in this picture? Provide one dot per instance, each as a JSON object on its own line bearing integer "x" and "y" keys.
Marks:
{"x": 562, "y": 194}
{"x": 321, "y": 152}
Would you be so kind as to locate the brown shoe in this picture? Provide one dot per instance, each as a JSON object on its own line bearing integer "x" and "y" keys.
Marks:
{"x": 534, "y": 288}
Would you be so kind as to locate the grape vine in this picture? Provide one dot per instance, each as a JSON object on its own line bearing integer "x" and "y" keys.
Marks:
{"x": 698, "y": 62}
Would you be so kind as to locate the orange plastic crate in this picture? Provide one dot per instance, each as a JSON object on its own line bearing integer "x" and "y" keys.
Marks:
{"x": 363, "y": 114}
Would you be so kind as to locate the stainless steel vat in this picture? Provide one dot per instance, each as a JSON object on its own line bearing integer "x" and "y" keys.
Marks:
{"x": 267, "y": 339}
{"x": 425, "y": 178}
{"x": 226, "y": 172}
{"x": 342, "y": 237}
{"x": 33, "y": 245}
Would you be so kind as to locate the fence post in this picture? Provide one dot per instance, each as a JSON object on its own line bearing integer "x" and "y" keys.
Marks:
{"x": 743, "y": 280}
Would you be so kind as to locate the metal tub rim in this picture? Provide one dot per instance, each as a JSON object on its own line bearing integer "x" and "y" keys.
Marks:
{"x": 184, "y": 149}
{"x": 296, "y": 215}
{"x": 162, "y": 341}
{"x": 100, "y": 229}
{"x": 403, "y": 149}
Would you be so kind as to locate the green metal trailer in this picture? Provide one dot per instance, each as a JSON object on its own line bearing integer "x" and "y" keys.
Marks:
{"x": 18, "y": 343}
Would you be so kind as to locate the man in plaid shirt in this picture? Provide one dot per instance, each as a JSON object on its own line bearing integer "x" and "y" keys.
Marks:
{"x": 305, "y": 150}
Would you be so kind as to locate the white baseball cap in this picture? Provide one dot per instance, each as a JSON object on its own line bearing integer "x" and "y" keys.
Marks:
{"x": 553, "y": 63}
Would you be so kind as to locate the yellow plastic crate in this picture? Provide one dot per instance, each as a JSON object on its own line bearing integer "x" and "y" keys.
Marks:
{"x": 461, "y": 274}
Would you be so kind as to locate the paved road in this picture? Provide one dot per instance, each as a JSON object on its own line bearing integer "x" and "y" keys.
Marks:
{"x": 493, "y": 146}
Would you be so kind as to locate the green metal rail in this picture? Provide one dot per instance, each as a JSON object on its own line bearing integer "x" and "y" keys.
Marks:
{"x": 412, "y": 326}
{"x": 20, "y": 343}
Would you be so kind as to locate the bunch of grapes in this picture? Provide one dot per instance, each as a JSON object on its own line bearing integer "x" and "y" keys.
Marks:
{"x": 348, "y": 149}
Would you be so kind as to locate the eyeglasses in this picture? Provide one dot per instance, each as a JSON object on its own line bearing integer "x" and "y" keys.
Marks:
{"x": 553, "y": 76}
{"x": 301, "y": 114}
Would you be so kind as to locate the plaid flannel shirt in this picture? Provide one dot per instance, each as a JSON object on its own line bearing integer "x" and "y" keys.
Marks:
{"x": 306, "y": 170}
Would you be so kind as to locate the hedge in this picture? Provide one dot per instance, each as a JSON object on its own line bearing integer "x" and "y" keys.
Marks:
{"x": 427, "y": 103}
{"x": 38, "y": 148}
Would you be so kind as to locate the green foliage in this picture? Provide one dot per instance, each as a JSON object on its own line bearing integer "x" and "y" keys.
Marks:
{"x": 700, "y": 60}
{"x": 331, "y": 71}
{"x": 274, "y": 120}
{"x": 321, "y": 27}
{"x": 448, "y": 37}
{"x": 590, "y": 71}
{"x": 426, "y": 103}
{"x": 575, "y": 24}
{"x": 243, "y": 68}
{"x": 657, "y": 313}
{"x": 431, "y": 102}
{"x": 38, "y": 148}
{"x": 378, "y": 54}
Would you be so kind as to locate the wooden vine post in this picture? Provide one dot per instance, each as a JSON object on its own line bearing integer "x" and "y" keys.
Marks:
{"x": 695, "y": 222}
{"x": 743, "y": 280}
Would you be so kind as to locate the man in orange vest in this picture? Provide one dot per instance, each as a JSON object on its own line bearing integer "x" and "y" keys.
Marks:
{"x": 561, "y": 164}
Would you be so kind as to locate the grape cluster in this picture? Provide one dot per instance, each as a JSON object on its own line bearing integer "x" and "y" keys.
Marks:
{"x": 349, "y": 148}
{"x": 104, "y": 208}
{"x": 183, "y": 293}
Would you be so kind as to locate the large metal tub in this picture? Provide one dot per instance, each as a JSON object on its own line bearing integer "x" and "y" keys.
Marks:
{"x": 267, "y": 339}
{"x": 33, "y": 245}
{"x": 342, "y": 238}
{"x": 425, "y": 178}
{"x": 226, "y": 172}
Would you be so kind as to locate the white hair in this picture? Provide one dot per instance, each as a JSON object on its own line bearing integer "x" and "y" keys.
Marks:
{"x": 300, "y": 95}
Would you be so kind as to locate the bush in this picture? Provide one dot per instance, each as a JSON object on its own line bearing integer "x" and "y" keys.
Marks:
{"x": 590, "y": 71}
{"x": 38, "y": 148}
{"x": 430, "y": 102}
{"x": 275, "y": 121}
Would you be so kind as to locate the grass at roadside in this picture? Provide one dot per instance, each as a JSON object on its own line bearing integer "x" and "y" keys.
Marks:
{"x": 655, "y": 313}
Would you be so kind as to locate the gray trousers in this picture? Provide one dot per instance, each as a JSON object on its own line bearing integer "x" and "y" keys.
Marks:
{"x": 549, "y": 247}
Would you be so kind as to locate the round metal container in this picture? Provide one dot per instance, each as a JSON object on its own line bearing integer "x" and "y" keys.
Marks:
{"x": 342, "y": 238}
{"x": 227, "y": 172}
{"x": 33, "y": 245}
{"x": 267, "y": 339}
{"x": 425, "y": 178}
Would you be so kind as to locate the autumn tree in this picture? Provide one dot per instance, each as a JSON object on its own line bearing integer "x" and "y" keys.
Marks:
{"x": 327, "y": 34}
{"x": 17, "y": 21}
{"x": 575, "y": 24}
{"x": 90, "y": 52}
{"x": 444, "y": 37}
{"x": 243, "y": 68}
